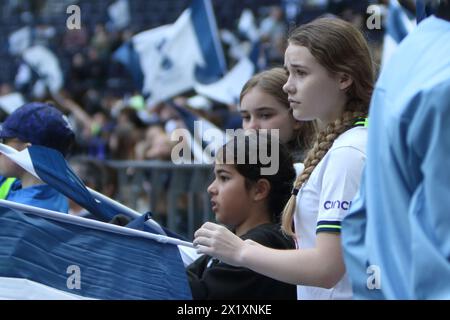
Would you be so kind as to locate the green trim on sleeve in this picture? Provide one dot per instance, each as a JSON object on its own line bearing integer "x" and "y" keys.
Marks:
{"x": 328, "y": 226}
{"x": 5, "y": 188}
{"x": 363, "y": 122}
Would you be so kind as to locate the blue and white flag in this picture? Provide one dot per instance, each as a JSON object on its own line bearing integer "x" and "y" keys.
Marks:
{"x": 203, "y": 138}
{"x": 19, "y": 41}
{"x": 247, "y": 26}
{"x": 398, "y": 24}
{"x": 128, "y": 57}
{"x": 45, "y": 65}
{"x": 49, "y": 255}
{"x": 175, "y": 57}
{"x": 49, "y": 166}
{"x": 228, "y": 89}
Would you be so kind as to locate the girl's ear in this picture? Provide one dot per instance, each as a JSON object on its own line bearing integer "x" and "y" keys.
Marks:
{"x": 261, "y": 189}
{"x": 345, "y": 81}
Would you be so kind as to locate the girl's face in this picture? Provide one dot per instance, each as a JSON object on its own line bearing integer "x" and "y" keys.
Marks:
{"x": 230, "y": 199}
{"x": 260, "y": 110}
{"x": 313, "y": 92}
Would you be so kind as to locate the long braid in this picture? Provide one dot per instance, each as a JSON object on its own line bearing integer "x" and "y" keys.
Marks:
{"x": 323, "y": 143}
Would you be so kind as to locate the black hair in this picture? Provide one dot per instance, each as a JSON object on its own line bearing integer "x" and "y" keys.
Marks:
{"x": 250, "y": 147}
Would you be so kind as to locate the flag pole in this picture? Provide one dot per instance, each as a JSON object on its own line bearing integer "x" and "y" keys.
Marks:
{"x": 63, "y": 217}
{"x": 123, "y": 208}
{"x": 11, "y": 152}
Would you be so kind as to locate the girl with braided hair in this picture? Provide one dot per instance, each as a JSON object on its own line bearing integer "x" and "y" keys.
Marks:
{"x": 330, "y": 80}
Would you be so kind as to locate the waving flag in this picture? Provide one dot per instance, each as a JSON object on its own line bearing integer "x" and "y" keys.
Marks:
{"x": 19, "y": 41}
{"x": 172, "y": 58}
{"x": 49, "y": 255}
{"x": 228, "y": 89}
{"x": 39, "y": 70}
{"x": 204, "y": 137}
{"x": 128, "y": 57}
{"x": 50, "y": 166}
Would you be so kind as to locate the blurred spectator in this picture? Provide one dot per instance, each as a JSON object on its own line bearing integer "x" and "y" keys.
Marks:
{"x": 75, "y": 40}
{"x": 78, "y": 75}
{"x": 5, "y": 88}
{"x": 156, "y": 145}
{"x": 98, "y": 136}
{"x": 97, "y": 68}
{"x": 100, "y": 41}
{"x": 125, "y": 136}
{"x": 272, "y": 27}
{"x": 44, "y": 34}
{"x": 351, "y": 11}
{"x": 109, "y": 114}
{"x": 292, "y": 9}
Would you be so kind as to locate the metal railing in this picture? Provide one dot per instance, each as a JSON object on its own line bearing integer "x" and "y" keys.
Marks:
{"x": 186, "y": 181}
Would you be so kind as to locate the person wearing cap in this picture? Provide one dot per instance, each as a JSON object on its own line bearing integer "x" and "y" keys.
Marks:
{"x": 34, "y": 124}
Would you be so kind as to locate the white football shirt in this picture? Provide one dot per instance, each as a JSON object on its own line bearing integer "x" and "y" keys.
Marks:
{"x": 325, "y": 200}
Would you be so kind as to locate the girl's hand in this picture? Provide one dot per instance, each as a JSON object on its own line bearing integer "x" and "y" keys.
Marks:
{"x": 217, "y": 241}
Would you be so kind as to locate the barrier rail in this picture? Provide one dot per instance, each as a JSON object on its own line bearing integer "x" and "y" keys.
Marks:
{"x": 175, "y": 181}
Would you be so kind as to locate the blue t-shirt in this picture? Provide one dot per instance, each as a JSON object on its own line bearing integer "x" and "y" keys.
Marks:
{"x": 42, "y": 196}
{"x": 396, "y": 236}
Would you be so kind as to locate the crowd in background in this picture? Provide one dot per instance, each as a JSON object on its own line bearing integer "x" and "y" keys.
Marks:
{"x": 110, "y": 116}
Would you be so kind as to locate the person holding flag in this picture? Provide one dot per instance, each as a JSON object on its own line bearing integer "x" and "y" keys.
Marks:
{"x": 250, "y": 203}
{"x": 41, "y": 124}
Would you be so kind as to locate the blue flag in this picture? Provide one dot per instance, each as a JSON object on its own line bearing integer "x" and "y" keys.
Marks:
{"x": 56, "y": 256}
{"x": 128, "y": 57}
{"x": 205, "y": 137}
{"x": 173, "y": 58}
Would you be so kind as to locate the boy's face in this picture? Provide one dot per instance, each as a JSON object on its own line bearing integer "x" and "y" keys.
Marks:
{"x": 9, "y": 168}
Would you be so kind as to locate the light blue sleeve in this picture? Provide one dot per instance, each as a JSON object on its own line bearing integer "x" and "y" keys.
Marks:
{"x": 429, "y": 210}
